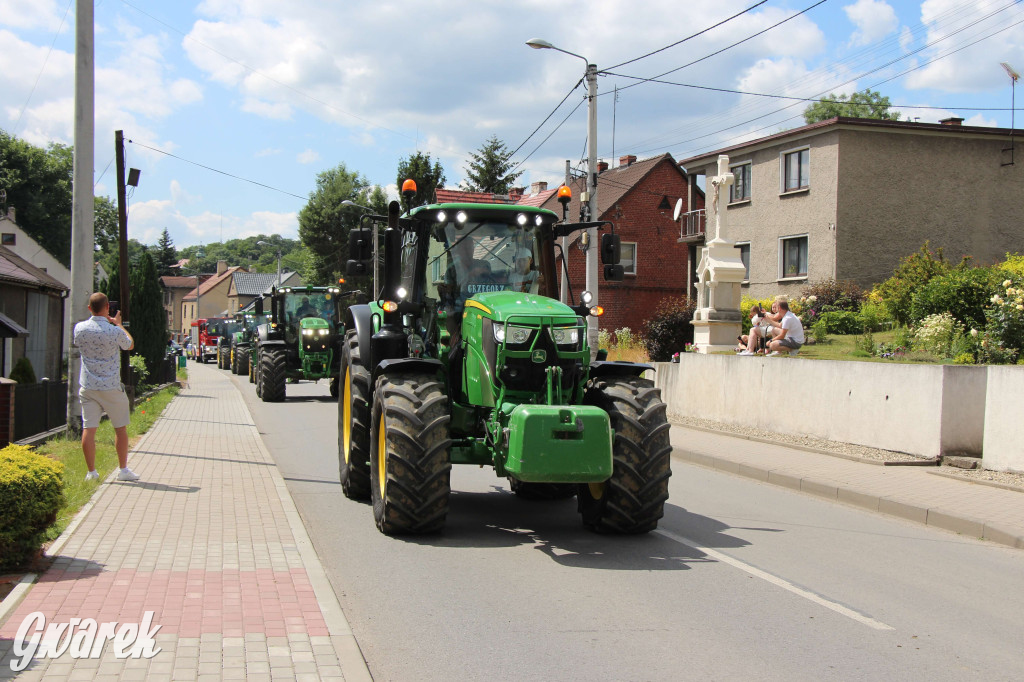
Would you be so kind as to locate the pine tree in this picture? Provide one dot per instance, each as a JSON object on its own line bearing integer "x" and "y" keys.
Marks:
{"x": 489, "y": 169}
{"x": 148, "y": 319}
{"x": 429, "y": 177}
{"x": 166, "y": 255}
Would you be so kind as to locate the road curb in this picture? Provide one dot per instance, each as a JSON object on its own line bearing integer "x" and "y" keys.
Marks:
{"x": 935, "y": 517}
{"x": 350, "y": 657}
{"x": 15, "y": 596}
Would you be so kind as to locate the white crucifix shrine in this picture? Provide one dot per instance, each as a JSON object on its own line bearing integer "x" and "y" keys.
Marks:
{"x": 720, "y": 273}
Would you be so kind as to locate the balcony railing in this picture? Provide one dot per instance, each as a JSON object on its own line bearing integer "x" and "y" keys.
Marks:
{"x": 692, "y": 224}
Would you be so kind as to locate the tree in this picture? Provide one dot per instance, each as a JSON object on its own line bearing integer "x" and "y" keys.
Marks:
{"x": 166, "y": 255}
{"x": 37, "y": 182}
{"x": 148, "y": 322}
{"x": 324, "y": 223}
{"x": 429, "y": 178}
{"x": 489, "y": 169}
{"x": 867, "y": 104}
{"x": 106, "y": 230}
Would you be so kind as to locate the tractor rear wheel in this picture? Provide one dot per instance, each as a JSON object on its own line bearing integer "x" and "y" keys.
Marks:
{"x": 633, "y": 499}
{"x": 256, "y": 378}
{"x": 334, "y": 386}
{"x": 542, "y": 491}
{"x": 272, "y": 375}
{"x": 234, "y": 361}
{"x": 354, "y": 424}
{"x": 410, "y": 467}
{"x": 242, "y": 354}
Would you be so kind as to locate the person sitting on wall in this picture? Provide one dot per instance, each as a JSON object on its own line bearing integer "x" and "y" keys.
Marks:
{"x": 767, "y": 325}
{"x": 755, "y": 330}
{"x": 789, "y": 333}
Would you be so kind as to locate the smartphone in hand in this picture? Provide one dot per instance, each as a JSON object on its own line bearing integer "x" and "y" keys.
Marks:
{"x": 112, "y": 308}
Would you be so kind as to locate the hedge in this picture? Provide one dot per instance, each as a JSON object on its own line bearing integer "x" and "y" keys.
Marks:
{"x": 31, "y": 494}
{"x": 841, "y": 322}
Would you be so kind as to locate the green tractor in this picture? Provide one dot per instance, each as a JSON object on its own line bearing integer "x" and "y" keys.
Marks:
{"x": 299, "y": 340}
{"x": 466, "y": 356}
{"x": 242, "y": 342}
{"x": 225, "y": 330}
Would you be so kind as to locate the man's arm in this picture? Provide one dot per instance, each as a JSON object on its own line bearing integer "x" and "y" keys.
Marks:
{"x": 116, "y": 320}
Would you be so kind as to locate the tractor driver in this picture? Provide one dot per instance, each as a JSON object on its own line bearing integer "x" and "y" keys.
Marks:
{"x": 306, "y": 309}
{"x": 523, "y": 275}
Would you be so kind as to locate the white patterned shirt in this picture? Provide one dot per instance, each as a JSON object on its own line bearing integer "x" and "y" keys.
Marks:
{"x": 101, "y": 344}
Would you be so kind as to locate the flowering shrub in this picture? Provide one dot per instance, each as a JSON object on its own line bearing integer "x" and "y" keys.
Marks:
{"x": 963, "y": 292}
{"x": 669, "y": 329}
{"x": 890, "y": 351}
{"x": 626, "y": 340}
{"x": 1004, "y": 330}
{"x": 896, "y": 293}
{"x": 937, "y": 333}
{"x": 604, "y": 339}
{"x": 830, "y": 295}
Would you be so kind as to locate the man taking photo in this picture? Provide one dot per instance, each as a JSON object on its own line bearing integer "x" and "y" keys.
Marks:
{"x": 100, "y": 339}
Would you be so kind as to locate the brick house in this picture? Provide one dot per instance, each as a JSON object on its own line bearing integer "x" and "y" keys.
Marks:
{"x": 639, "y": 197}
{"x": 847, "y": 198}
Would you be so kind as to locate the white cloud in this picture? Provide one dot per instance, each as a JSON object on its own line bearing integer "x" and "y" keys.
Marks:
{"x": 906, "y": 39}
{"x": 269, "y": 151}
{"x": 308, "y": 156}
{"x": 149, "y": 218}
{"x": 874, "y": 19}
{"x": 45, "y": 14}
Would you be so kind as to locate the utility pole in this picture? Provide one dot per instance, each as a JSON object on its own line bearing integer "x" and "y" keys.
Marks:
{"x": 83, "y": 273}
{"x": 122, "y": 257}
{"x": 592, "y": 246}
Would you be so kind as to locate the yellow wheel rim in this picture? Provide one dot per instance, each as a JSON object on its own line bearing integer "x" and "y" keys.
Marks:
{"x": 382, "y": 456}
{"x": 346, "y": 416}
{"x": 596, "y": 490}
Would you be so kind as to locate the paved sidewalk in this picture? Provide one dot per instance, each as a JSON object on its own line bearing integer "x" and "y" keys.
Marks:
{"x": 210, "y": 541}
{"x": 908, "y": 492}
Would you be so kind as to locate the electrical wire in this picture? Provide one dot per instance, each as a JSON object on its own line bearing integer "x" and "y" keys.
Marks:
{"x": 42, "y": 68}
{"x": 217, "y": 170}
{"x": 555, "y": 130}
{"x": 546, "y": 118}
{"x": 689, "y": 37}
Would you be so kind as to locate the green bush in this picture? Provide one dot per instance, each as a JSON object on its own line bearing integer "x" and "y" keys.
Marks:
{"x": 31, "y": 494}
{"x": 1005, "y": 318}
{"x": 964, "y": 359}
{"x": 871, "y": 317}
{"x": 896, "y": 294}
{"x": 669, "y": 329}
{"x": 937, "y": 334}
{"x": 819, "y": 332}
{"x": 963, "y": 292}
{"x": 840, "y": 322}
{"x": 22, "y": 372}
{"x": 866, "y": 343}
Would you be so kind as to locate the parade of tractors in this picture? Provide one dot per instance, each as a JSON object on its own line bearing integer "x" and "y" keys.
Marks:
{"x": 463, "y": 354}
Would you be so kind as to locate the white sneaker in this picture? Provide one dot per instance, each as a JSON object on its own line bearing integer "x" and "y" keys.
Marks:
{"x": 92, "y": 476}
{"x": 746, "y": 352}
{"x": 774, "y": 352}
{"x": 127, "y": 474}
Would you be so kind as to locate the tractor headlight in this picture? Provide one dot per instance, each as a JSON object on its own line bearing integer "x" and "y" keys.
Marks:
{"x": 565, "y": 336}
{"x": 307, "y": 332}
{"x": 323, "y": 332}
{"x": 512, "y": 333}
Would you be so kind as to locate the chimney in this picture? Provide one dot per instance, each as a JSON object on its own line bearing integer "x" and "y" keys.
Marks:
{"x": 222, "y": 267}
{"x": 538, "y": 187}
{"x": 626, "y": 160}
{"x": 951, "y": 121}
{"x": 602, "y": 166}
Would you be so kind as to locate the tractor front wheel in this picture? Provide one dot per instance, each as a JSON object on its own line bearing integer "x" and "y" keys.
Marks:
{"x": 354, "y": 424}
{"x": 272, "y": 375}
{"x": 633, "y": 499}
{"x": 234, "y": 361}
{"x": 243, "y": 362}
{"x": 410, "y": 467}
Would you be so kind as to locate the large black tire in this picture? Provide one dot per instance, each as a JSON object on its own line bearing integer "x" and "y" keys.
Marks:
{"x": 272, "y": 375}
{"x": 234, "y": 361}
{"x": 252, "y": 367}
{"x": 242, "y": 356}
{"x": 333, "y": 387}
{"x": 542, "y": 491}
{"x": 224, "y": 357}
{"x": 354, "y": 410}
{"x": 410, "y": 466}
{"x": 633, "y": 499}
{"x": 257, "y": 379}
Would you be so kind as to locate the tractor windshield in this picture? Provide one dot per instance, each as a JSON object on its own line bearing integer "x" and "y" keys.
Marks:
{"x": 299, "y": 305}
{"x": 477, "y": 257}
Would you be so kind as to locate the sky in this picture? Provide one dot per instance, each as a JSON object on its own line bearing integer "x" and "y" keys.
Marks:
{"x": 277, "y": 92}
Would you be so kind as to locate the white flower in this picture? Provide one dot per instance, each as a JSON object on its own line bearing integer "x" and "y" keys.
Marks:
{"x": 1007, "y": 283}
{"x": 812, "y": 299}
{"x": 974, "y": 333}
{"x": 1020, "y": 307}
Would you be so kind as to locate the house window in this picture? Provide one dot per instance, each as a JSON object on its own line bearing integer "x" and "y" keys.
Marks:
{"x": 793, "y": 256}
{"x": 740, "y": 189}
{"x": 627, "y": 258}
{"x": 745, "y": 257}
{"x": 796, "y": 166}
{"x": 9, "y": 239}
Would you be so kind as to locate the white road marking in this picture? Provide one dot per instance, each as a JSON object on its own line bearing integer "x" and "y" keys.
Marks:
{"x": 778, "y": 582}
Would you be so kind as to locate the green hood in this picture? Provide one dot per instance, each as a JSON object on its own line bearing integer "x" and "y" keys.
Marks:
{"x": 499, "y": 305}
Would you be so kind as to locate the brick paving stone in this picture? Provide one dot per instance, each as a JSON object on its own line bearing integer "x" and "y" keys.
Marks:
{"x": 203, "y": 542}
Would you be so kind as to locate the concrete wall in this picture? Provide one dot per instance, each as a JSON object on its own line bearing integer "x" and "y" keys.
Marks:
{"x": 771, "y": 214}
{"x": 901, "y": 188}
{"x": 917, "y": 409}
{"x": 1004, "y": 428}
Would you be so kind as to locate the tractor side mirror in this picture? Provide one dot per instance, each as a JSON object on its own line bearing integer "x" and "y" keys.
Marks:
{"x": 610, "y": 250}
{"x": 360, "y": 251}
{"x": 259, "y": 306}
{"x": 614, "y": 273}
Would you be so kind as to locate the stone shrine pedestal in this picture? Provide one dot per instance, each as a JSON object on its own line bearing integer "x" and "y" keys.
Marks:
{"x": 717, "y": 321}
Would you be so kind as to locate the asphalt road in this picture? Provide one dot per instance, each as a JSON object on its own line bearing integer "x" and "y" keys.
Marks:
{"x": 742, "y": 580}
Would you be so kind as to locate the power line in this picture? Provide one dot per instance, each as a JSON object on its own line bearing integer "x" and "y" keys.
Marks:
{"x": 42, "y": 68}
{"x": 217, "y": 170}
{"x": 690, "y": 37}
{"x": 571, "y": 90}
{"x": 555, "y": 130}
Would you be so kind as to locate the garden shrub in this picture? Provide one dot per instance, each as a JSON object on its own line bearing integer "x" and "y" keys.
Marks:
{"x": 819, "y": 333}
{"x": 22, "y": 372}
{"x": 1012, "y": 267}
{"x": 963, "y": 292}
{"x": 840, "y": 322}
{"x": 936, "y": 334}
{"x": 604, "y": 339}
{"x": 871, "y": 317}
{"x": 669, "y": 329}
{"x": 829, "y": 295}
{"x": 896, "y": 293}
{"x": 31, "y": 494}
{"x": 747, "y": 303}
{"x": 1004, "y": 330}
{"x": 963, "y": 359}
{"x": 866, "y": 343}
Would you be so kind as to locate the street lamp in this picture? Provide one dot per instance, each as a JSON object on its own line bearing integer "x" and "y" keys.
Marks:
{"x": 590, "y": 196}
{"x": 263, "y": 243}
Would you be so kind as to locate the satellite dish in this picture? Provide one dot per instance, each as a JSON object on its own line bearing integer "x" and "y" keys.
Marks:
{"x": 679, "y": 209}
